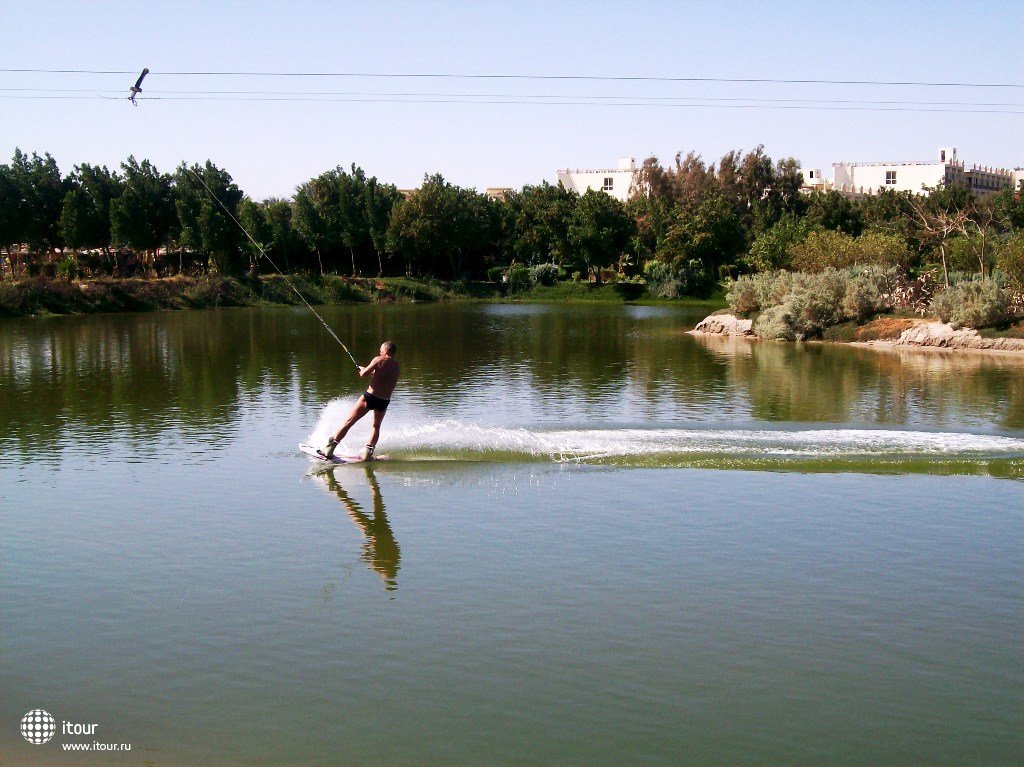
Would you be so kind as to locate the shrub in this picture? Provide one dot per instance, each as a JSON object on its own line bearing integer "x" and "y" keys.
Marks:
{"x": 495, "y": 274}
{"x": 816, "y": 301}
{"x": 752, "y": 293}
{"x": 824, "y": 249}
{"x": 741, "y": 295}
{"x": 668, "y": 281}
{"x": 67, "y": 268}
{"x": 519, "y": 278}
{"x": 801, "y": 305}
{"x": 976, "y": 304}
{"x": 870, "y": 290}
{"x": 775, "y": 324}
{"x": 544, "y": 274}
{"x": 886, "y": 250}
{"x": 772, "y": 288}
{"x": 827, "y": 249}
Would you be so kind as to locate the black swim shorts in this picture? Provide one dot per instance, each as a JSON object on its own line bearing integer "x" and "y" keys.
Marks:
{"x": 376, "y": 403}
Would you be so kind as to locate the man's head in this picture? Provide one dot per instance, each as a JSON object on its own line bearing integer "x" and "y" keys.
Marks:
{"x": 388, "y": 348}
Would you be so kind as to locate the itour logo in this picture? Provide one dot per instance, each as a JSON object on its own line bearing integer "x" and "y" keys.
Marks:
{"x": 37, "y": 726}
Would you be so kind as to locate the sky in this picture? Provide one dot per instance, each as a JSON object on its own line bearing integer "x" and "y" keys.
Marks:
{"x": 273, "y": 144}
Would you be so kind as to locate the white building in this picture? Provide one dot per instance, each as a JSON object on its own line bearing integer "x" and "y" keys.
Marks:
{"x": 864, "y": 178}
{"x": 617, "y": 182}
{"x": 813, "y": 180}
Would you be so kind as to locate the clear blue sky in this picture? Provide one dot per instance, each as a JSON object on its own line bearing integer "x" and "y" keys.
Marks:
{"x": 272, "y": 146}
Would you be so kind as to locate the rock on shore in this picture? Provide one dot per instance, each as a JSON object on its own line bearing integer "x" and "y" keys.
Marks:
{"x": 921, "y": 333}
{"x": 944, "y": 336}
{"x": 725, "y": 325}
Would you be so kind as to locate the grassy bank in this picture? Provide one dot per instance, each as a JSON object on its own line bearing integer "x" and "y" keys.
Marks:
{"x": 39, "y": 295}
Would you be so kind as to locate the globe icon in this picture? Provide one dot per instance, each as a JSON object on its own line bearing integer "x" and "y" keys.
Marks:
{"x": 37, "y": 726}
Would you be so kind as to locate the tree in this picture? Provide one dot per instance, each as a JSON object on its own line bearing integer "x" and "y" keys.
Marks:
{"x": 1008, "y": 210}
{"x": 355, "y": 226}
{"x": 13, "y": 211}
{"x": 773, "y": 249}
{"x": 314, "y": 203}
{"x": 688, "y": 181}
{"x": 85, "y": 214}
{"x": 74, "y": 219}
{"x": 540, "y": 223}
{"x": 206, "y": 201}
{"x": 143, "y": 216}
{"x": 331, "y": 216}
{"x": 651, "y": 216}
{"x": 710, "y": 232}
{"x": 941, "y": 214}
{"x": 1011, "y": 261}
{"x": 378, "y": 202}
{"x": 441, "y": 225}
{"x": 599, "y": 233}
{"x": 831, "y": 210}
{"x": 37, "y": 182}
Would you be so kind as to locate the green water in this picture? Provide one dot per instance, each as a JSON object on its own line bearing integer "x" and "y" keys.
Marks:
{"x": 598, "y": 541}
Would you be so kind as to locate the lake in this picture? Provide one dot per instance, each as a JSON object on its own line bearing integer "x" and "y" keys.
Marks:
{"x": 598, "y": 540}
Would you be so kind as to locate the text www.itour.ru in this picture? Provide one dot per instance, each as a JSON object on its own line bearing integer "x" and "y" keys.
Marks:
{"x": 96, "y": 746}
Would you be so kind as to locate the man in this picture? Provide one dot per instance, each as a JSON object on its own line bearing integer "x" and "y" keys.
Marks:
{"x": 377, "y": 398}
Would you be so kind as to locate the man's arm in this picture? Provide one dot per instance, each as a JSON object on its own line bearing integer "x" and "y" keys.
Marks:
{"x": 363, "y": 372}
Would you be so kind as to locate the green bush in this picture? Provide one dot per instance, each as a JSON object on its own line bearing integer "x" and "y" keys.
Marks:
{"x": 519, "y": 279}
{"x": 775, "y": 324}
{"x": 741, "y": 296}
{"x": 870, "y": 290}
{"x": 669, "y": 282}
{"x": 823, "y": 250}
{"x": 496, "y": 274}
{"x": 67, "y": 268}
{"x": 544, "y": 274}
{"x": 773, "y": 248}
{"x": 816, "y": 301}
{"x": 795, "y": 306}
{"x": 975, "y": 304}
{"x": 885, "y": 250}
{"x": 827, "y": 249}
{"x": 754, "y": 292}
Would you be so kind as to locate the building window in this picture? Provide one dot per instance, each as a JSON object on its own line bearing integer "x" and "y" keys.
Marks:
{"x": 811, "y": 174}
{"x": 890, "y": 177}
{"x": 609, "y": 182}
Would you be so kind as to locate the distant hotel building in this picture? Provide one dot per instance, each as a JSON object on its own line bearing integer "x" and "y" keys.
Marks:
{"x": 617, "y": 182}
{"x": 855, "y": 179}
{"x": 852, "y": 179}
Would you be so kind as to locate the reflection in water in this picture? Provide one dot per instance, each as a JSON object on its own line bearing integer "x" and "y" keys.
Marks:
{"x": 194, "y": 377}
{"x": 834, "y": 383}
{"x": 380, "y": 549}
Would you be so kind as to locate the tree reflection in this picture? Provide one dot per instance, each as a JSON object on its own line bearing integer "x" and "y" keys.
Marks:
{"x": 842, "y": 384}
{"x": 138, "y": 375}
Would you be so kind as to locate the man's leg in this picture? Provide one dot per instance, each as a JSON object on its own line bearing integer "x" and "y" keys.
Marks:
{"x": 357, "y": 412}
{"x": 378, "y": 417}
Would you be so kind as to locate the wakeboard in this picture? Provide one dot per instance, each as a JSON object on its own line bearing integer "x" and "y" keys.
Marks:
{"x": 313, "y": 452}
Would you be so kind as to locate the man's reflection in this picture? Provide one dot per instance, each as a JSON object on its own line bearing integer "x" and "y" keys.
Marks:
{"x": 380, "y": 550}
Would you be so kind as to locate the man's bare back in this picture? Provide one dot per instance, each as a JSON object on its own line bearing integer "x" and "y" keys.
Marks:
{"x": 385, "y": 376}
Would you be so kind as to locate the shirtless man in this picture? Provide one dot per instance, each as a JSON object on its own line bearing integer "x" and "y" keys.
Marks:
{"x": 377, "y": 398}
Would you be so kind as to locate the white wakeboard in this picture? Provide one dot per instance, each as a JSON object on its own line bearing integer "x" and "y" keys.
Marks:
{"x": 314, "y": 452}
